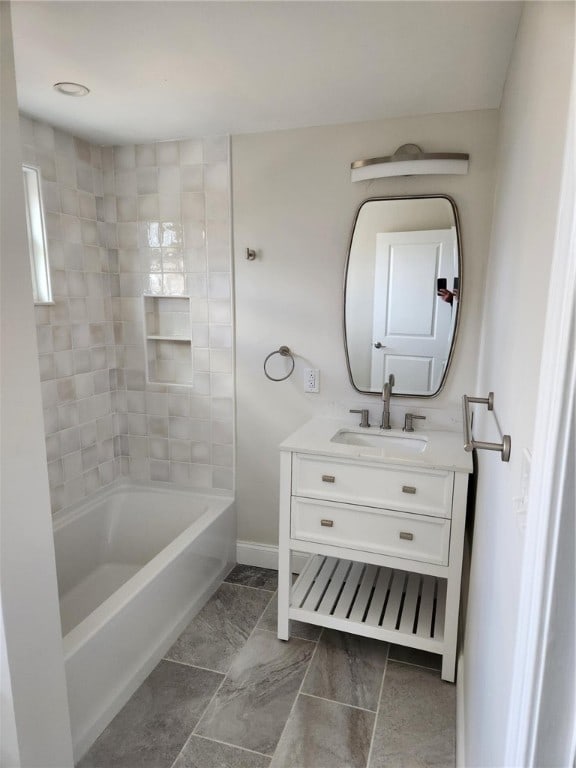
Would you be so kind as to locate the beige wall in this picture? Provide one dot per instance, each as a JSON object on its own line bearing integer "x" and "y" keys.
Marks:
{"x": 32, "y": 686}
{"x": 531, "y": 148}
{"x": 294, "y": 203}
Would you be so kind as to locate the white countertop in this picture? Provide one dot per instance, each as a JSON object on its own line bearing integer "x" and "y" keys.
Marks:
{"x": 444, "y": 450}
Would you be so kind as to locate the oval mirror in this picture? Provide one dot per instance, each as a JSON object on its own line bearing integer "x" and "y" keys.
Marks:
{"x": 401, "y": 295}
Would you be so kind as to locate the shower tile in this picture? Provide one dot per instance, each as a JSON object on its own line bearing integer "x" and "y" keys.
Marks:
{"x": 348, "y": 669}
{"x": 416, "y": 720}
{"x": 145, "y": 155}
{"x": 223, "y": 479}
{"x": 180, "y": 472}
{"x": 222, "y": 455}
{"x": 148, "y": 205}
{"x": 152, "y": 728}
{"x": 222, "y": 384}
{"x": 167, "y": 152}
{"x": 72, "y": 466}
{"x": 160, "y": 470}
{"x": 222, "y": 432}
{"x": 191, "y": 152}
{"x": 63, "y": 364}
{"x": 192, "y": 178}
{"x": 94, "y": 196}
{"x": 252, "y": 576}
{"x": 199, "y": 407}
{"x": 180, "y": 450}
{"x": 220, "y": 311}
{"x": 216, "y": 149}
{"x": 203, "y": 753}
{"x": 125, "y": 157}
{"x": 218, "y": 257}
{"x": 199, "y": 430}
{"x": 221, "y": 337}
{"x": 67, "y": 415}
{"x": 221, "y": 628}
{"x": 159, "y": 448}
{"x": 169, "y": 180}
{"x": 251, "y": 707}
{"x": 222, "y": 408}
{"x": 324, "y": 734}
{"x": 192, "y": 206}
{"x": 221, "y": 361}
{"x": 217, "y": 176}
{"x": 74, "y": 491}
{"x": 200, "y": 453}
{"x": 50, "y": 420}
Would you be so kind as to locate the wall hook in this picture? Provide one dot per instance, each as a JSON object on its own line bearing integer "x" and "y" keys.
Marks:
{"x": 250, "y": 254}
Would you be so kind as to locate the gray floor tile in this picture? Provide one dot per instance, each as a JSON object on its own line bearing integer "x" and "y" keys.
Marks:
{"x": 253, "y": 704}
{"x": 348, "y": 669}
{"x": 299, "y": 629}
{"x": 414, "y": 656}
{"x": 203, "y": 753}
{"x": 251, "y": 576}
{"x": 324, "y": 734}
{"x": 416, "y": 720}
{"x": 221, "y": 628}
{"x": 151, "y": 729}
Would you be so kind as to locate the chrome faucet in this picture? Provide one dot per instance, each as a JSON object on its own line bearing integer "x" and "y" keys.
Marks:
{"x": 386, "y": 392}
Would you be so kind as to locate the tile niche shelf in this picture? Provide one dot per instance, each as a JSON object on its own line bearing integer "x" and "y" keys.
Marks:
{"x": 168, "y": 337}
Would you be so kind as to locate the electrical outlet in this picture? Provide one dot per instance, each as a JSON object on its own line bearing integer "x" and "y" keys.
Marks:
{"x": 311, "y": 380}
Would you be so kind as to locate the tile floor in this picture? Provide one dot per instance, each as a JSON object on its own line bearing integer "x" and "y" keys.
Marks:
{"x": 230, "y": 695}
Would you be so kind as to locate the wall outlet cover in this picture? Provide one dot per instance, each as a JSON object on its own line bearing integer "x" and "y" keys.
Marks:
{"x": 311, "y": 380}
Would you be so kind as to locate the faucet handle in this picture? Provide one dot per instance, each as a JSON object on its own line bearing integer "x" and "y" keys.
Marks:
{"x": 409, "y": 421}
{"x": 364, "y": 413}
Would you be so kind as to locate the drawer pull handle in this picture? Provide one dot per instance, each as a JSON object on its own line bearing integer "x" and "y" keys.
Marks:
{"x": 406, "y": 535}
{"x": 328, "y": 479}
{"x": 408, "y": 489}
{"x": 327, "y": 523}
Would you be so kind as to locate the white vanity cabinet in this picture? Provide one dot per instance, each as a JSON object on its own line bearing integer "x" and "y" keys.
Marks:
{"x": 384, "y": 533}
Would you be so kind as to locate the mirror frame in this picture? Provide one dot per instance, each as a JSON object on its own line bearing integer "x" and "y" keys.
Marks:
{"x": 460, "y": 291}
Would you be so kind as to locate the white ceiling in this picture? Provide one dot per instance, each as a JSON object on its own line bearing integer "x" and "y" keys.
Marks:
{"x": 163, "y": 70}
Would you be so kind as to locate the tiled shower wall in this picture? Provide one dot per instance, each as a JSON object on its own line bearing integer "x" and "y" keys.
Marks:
{"x": 173, "y": 223}
{"x": 76, "y": 344}
{"x": 123, "y": 222}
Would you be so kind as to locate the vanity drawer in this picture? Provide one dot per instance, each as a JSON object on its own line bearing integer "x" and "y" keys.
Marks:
{"x": 416, "y": 537}
{"x": 427, "y": 492}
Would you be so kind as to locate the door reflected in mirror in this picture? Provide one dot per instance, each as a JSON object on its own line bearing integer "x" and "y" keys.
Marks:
{"x": 401, "y": 297}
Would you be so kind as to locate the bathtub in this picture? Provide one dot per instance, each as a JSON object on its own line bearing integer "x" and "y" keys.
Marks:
{"x": 134, "y": 564}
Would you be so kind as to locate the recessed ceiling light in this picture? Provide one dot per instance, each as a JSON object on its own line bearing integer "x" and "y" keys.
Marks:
{"x": 71, "y": 89}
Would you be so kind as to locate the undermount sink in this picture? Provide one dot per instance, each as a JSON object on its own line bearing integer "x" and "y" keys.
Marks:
{"x": 392, "y": 441}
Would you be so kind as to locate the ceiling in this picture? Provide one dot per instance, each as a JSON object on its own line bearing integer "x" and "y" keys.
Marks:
{"x": 165, "y": 70}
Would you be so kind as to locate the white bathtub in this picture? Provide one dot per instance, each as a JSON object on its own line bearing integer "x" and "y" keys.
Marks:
{"x": 134, "y": 565}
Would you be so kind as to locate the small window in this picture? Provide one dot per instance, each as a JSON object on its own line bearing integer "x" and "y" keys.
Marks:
{"x": 37, "y": 243}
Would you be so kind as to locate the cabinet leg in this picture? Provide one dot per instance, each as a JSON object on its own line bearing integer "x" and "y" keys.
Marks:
{"x": 449, "y": 665}
{"x": 284, "y": 584}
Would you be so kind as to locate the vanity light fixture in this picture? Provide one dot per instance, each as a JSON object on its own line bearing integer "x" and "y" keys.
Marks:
{"x": 71, "y": 89}
{"x": 410, "y": 160}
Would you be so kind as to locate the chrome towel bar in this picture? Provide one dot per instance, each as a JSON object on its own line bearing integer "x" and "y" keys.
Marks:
{"x": 469, "y": 443}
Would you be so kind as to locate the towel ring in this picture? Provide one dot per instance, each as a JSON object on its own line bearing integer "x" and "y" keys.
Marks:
{"x": 285, "y": 352}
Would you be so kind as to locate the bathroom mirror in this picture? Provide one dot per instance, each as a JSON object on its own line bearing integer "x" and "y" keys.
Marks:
{"x": 402, "y": 294}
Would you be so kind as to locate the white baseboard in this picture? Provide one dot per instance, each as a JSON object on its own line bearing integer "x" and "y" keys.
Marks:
{"x": 265, "y": 556}
{"x": 460, "y": 718}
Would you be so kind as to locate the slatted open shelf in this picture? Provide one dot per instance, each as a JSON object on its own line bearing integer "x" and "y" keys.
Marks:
{"x": 393, "y": 605}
